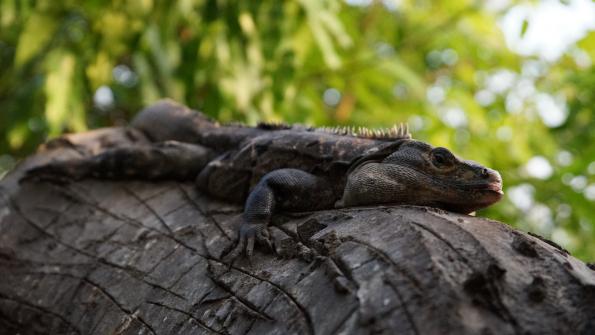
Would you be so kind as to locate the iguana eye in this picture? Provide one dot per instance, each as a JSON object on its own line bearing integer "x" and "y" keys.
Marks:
{"x": 441, "y": 157}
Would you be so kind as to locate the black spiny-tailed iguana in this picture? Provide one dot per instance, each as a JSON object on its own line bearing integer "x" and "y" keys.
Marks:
{"x": 275, "y": 168}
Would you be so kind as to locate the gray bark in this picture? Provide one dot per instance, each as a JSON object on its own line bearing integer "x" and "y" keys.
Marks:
{"x": 134, "y": 257}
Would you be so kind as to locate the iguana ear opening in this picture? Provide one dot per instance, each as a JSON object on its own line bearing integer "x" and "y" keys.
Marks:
{"x": 375, "y": 154}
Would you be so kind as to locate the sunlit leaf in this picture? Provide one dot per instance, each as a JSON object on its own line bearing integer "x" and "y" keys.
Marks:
{"x": 401, "y": 71}
{"x": 319, "y": 23}
{"x": 100, "y": 71}
{"x": 7, "y": 13}
{"x": 588, "y": 44}
{"x": 63, "y": 107}
{"x": 17, "y": 135}
{"x": 38, "y": 31}
{"x": 334, "y": 26}
{"x": 148, "y": 89}
{"x": 325, "y": 44}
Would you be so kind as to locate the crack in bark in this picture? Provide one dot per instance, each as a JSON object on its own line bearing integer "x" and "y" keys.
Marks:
{"x": 345, "y": 271}
{"x": 85, "y": 280}
{"x": 408, "y": 314}
{"x": 264, "y": 309}
{"x": 363, "y": 264}
{"x": 445, "y": 241}
{"x": 150, "y": 209}
{"x": 187, "y": 271}
{"x": 9, "y": 321}
{"x": 330, "y": 261}
{"x": 41, "y": 309}
{"x": 101, "y": 260}
{"x": 386, "y": 258}
{"x": 345, "y": 319}
{"x": 212, "y": 301}
{"x": 501, "y": 310}
{"x": 182, "y": 205}
{"x": 302, "y": 309}
{"x": 80, "y": 285}
{"x": 136, "y": 223}
{"x": 106, "y": 239}
{"x": 56, "y": 212}
{"x": 312, "y": 266}
{"x": 202, "y": 212}
{"x": 189, "y": 315}
{"x": 152, "y": 268}
{"x": 120, "y": 307}
{"x": 125, "y": 219}
{"x": 98, "y": 322}
{"x": 21, "y": 262}
{"x": 249, "y": 306}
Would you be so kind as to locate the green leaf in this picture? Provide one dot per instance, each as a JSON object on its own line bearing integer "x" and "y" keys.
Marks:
{"x": 63, "y": 107}
{"x": 401, "y": 71}
{"x": 17, "y": 135}
{"x": 38, "y": 32}
{"x": 588, "y": 44}
{"x": 323, "y": 26}
{"x": 7, "y": 13}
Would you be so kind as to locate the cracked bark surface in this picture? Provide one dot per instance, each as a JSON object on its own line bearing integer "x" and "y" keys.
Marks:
{"x": 134, "y": 257}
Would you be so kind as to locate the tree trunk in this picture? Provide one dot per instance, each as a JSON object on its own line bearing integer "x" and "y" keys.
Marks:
{"x": 133, "y": 257}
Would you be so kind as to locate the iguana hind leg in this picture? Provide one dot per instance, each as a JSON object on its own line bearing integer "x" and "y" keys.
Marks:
{"x": 164, "y": 160}
{"x": 280, "y": 190}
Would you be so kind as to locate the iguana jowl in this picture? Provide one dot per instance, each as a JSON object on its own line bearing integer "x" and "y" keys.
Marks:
{"x": 275, "y": 168}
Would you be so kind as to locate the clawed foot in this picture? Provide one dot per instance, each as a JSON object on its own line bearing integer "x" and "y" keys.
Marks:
{"x": 249, "y": 234}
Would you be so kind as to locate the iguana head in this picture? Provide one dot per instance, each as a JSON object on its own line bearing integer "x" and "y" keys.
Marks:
{"x": 416, "y": 173}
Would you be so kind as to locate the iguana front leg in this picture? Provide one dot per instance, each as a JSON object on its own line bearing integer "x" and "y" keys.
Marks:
{"x": 283, "y": 189}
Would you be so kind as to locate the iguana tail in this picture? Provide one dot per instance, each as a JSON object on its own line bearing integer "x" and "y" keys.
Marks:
{"x": 168, "y": 120}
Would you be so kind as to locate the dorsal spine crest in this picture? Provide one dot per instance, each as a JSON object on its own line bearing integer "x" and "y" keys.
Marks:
{"x": 397, "y": 132}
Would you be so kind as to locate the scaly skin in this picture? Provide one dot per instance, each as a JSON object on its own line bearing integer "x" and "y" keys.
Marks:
{"x": 274, "y": 168}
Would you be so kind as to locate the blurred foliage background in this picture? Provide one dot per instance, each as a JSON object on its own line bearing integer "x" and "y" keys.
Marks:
{"x": 468, "y": 75}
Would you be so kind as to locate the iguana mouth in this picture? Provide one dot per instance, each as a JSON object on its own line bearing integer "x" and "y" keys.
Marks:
{"x": 484, "y": 196}
{"x": 490, "y": 193}
{"x": 492, "y": 187}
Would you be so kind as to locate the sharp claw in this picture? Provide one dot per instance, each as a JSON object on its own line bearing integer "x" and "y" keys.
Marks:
{"x": 266, "y": 240}
{"x": 249, "y": 235}
{"x": 269, "y": 245}
{"x": 250, "y": 246}
{"x": 260, "y": 235}
{"x": 240, "y": 247}
{"x": 264, "y": 237}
